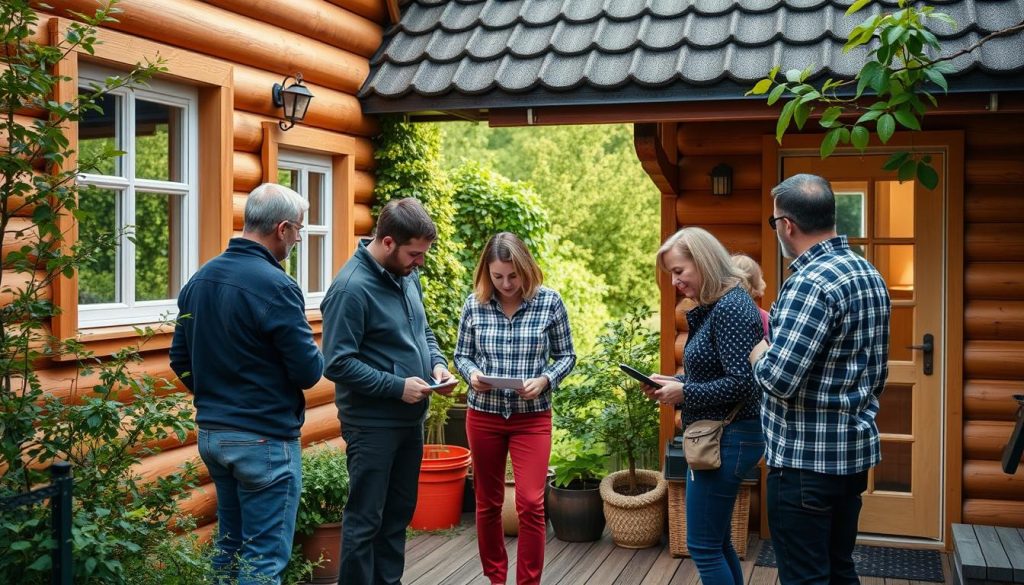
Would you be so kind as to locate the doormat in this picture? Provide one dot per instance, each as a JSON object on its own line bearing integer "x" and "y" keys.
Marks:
{"x": 881, "y": 561}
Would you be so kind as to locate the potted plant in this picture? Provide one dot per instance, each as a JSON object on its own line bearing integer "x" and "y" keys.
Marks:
{"x": 574, "y": 496}
{"x": 442, "y": 472}
{"x": 321, "y": 503}
{"x": 601, "y": 405}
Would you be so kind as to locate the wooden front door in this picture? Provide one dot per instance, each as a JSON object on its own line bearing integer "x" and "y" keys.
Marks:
{"x": 900, "y": 229}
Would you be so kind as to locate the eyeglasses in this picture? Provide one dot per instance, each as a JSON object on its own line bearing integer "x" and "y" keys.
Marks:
{"x": 298, "y": 226}
{"x": 774, "y": 219}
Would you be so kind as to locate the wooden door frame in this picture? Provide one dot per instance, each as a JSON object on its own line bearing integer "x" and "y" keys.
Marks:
{"x": 952, "y": 143}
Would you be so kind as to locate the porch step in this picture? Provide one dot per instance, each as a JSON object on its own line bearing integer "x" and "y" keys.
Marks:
{"x": 983, "y": 555}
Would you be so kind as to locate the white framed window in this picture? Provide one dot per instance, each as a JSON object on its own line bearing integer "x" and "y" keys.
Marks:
{"x": 149, "y": 193}
{"x": 310, "y": 261}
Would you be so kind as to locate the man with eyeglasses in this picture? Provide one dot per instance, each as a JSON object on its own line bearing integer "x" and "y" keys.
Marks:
{"x": 244, "y": 348}
{"x": 822, "y": 375}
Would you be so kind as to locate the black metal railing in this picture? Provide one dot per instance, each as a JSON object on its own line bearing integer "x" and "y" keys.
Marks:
{"x": 59, "y": 494}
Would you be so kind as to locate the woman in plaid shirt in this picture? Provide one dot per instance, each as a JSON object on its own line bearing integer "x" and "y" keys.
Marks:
{"x": 511, "y": 327}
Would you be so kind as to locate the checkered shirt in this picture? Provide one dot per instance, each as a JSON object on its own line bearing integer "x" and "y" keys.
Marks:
{"x": 535, "y": 341}
{"x": 827, "y": 363}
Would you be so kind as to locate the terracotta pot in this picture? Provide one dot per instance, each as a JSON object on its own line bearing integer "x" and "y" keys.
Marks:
{"x": 575, "y": 511}
{"x": 324, "y": 542}
{"x": 441, "y": 486}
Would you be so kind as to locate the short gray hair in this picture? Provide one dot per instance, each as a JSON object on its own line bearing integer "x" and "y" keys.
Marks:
{"x": 270, "y": 204}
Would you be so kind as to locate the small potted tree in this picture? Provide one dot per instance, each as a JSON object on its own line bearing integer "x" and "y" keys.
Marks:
{"x": 603, "y": 405}
{"x": 318, "y": 525}
{"x": 442, "y": 472}
{"x": 574, "y": 497}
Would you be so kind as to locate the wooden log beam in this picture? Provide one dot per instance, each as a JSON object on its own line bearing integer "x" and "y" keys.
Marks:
{"x": 321, "y": 424}
{"x": 249, "y": 138}
{"x": 996, "y": 320}
{"x": 998, "y": 242}
{"x": 249, "y": 173}
{"x": 738, "y": 238}
{"x": 993, "y": 512}
{"x": 695, "y": 172}
{"x": 660, "y": 167}
{"x": 991, "y": 399}
{"x": 363, "y": 219}
{"x": 994, "y": 280}
{"x": 313, "y": 19}
{"x": 197, "y": 26}
{"x": 985, "y": 479}
{"x": 998, "y": 134}
{"x": 330, "y": 109}
{"x": 20, "y": 232}
{"x": 722, "y": 138}
{"x": 994, "y": 203}
{"x": 14, "y": 283}
{"x": 371, "y": 9}
{"x": 994, "y": 171}
{"x": 704, "y": 209}
{"x": 997, "y": 360}
{"x": 984, "y": 440}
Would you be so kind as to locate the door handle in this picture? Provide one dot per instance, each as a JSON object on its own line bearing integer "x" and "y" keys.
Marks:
{"x": 928, "y": 347}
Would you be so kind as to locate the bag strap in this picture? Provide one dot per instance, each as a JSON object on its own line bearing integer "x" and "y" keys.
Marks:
{"x": 732, "y": 414}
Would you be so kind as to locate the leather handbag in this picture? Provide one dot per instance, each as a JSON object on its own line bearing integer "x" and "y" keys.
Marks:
{"x": 702, "y": 442}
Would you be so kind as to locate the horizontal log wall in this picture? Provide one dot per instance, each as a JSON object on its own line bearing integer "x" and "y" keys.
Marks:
{"x": 330, "y": 42}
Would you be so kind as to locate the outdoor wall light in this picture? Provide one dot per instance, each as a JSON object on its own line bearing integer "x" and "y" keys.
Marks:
{"x": 294, "y": 99}
{"x": 721, "y": 180}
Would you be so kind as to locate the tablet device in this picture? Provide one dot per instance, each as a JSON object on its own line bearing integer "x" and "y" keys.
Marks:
{"x": 638, "y": 376}
{"x": 435, "y": 385}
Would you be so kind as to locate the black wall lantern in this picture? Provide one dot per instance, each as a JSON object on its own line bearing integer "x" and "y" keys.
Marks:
{"x": 721, "y": 180}
{"x": 294, "y": 99}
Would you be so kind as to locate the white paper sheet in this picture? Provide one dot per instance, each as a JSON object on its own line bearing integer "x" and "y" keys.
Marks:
{"x": 502, "y": 382}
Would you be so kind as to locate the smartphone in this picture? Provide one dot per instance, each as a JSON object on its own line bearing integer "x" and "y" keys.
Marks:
{"x": 638, "y": 375}
{"x": 435, "y": 385}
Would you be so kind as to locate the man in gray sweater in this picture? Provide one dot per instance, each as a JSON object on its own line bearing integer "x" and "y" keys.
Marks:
{"x": 381, "y": 355}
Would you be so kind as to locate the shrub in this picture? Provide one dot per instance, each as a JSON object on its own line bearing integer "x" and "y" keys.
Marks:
{"x": 324, "y": 488}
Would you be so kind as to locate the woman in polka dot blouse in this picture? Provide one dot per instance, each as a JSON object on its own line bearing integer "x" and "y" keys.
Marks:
{"x": 723, "y": 328}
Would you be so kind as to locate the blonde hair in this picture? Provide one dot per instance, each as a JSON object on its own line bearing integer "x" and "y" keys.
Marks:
{"x": 709, "y": 256}
{"x": 752, "y": 279}
{"x": 506, "y": 247}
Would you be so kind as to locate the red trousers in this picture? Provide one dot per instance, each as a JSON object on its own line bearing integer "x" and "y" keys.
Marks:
{"x": 527, "y": 439}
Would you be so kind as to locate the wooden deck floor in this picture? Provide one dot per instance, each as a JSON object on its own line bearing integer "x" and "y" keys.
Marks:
{"x": 450, "y": 558}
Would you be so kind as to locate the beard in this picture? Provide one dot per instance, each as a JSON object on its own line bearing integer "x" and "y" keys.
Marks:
{"x": 392, "y": 265}
{"x": 787, "y": 250}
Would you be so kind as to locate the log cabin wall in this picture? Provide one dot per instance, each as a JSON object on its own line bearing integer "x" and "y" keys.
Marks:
{"x": 993, "y": 311}
{"x": 330, "y": 42}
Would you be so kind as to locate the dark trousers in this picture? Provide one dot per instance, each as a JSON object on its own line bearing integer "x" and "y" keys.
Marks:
{"x": 384, "y": 468}
{"x": 813, "y": 521}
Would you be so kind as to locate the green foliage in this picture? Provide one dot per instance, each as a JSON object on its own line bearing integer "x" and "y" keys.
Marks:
{"x": 599, "y": 404}
{"x": 575, "y": 461}
{"x": 110, "y": 415}
{"x": 566, "y": 268}
{"x": 324, "y": 487}
{"x": 899, "y": 72}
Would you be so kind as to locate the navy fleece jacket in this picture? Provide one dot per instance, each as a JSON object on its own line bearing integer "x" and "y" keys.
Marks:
{"x": 246, "y": 352}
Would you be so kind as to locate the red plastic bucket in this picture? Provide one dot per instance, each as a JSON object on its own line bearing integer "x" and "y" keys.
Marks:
{"x": 441, "y": 484}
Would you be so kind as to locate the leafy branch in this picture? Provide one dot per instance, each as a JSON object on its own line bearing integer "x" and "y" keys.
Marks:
{"x": 901, "y": 73}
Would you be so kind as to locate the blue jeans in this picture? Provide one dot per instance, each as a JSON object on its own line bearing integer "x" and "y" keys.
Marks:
{"x": 384, "y": 471}
{"x": 813, "y": 520}
{"x": 258, "y": 481}
{"x": 710, "y": 497}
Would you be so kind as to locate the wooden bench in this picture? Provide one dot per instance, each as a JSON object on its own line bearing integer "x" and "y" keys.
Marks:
{"x": 987, "y": 554}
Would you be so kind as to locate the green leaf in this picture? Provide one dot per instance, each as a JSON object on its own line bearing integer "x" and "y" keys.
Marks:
{"x": 859, "y": 136}
{"x": 801, "y": 113}
{"x": 828, "y": 145}
{"x": 886, "y": 127}
{"x": 784, "y": 118}
{"x": 937, "y": 78}
{"x": 831, "y": 114}
{"x": 793, "y": 76}
{"x": 927, "y": 176}
{"x": 867, "y": 76}
{"x": 857, "y": 6}
{"x": 907, "y": 170}
{"x": 868, "y": 116}
{"x": 762, "y": 87}
{"x": 895, "y": 160}
{"x": 906, "y": 118}
{"x": 776, "y": 93}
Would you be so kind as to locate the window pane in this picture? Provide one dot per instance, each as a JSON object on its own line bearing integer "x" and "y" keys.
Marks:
{"x": 97, "y": 134}
{"x": 157, "y": 252}
{"x": 157, "y": 141}
{"x": 316, "y": 199}
{"x": 896, "y": 409}
{"x": 896, "y": 264}
{"x": 893, "y": 473}
{"x": 850, "y": 213}
{"x": 901, "y": 333}
{"x": 291, "y": 263}
{"x": 98, "y": 226}
{"x": 288, "y": 177}
{"x": 894, "y": 209}
{"x": 315, "y": 260}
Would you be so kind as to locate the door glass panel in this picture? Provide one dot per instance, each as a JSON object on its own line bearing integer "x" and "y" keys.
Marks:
{"x": 156, "y": 263}
{"x": 893, "y": 473}
{"x": 894, "y": 209}
{"x": 97, "y": 280}
{"x": 850, "y": 213}
{"x": 901, "y": 333}
{"x": 316, "y": 190}
{"x": 896, "y": 264}
{"x": 97, "y": 134}
{"x": 895, "y": 411}
{"x": 858, "y": 249}
{"x": 157, "y": 141}
{"x": 315, "y": 250}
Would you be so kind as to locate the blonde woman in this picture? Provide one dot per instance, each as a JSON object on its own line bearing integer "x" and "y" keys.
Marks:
{"x": 752, "y": 280}
{"x": 511, "y": 327}
{"x": 723, "y": 328}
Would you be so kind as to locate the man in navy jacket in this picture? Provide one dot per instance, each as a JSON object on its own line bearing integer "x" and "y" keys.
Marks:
{"x": 244, "y": 348}
{"x": 381, "y": 355}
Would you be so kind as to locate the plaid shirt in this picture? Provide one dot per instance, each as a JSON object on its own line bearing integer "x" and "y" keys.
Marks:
{"x": 535, "y": 341}
{"x": 827, "y": 363}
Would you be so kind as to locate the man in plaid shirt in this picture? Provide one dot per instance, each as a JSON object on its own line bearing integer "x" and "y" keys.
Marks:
{"x": 822, "y": 375}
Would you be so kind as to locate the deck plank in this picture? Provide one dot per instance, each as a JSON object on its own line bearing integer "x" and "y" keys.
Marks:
{"x": 638, "y": 567}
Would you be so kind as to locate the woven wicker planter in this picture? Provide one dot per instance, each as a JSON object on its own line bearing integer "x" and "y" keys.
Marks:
{"x": 635, "y": 521}
{"x": 677, "y": 519}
